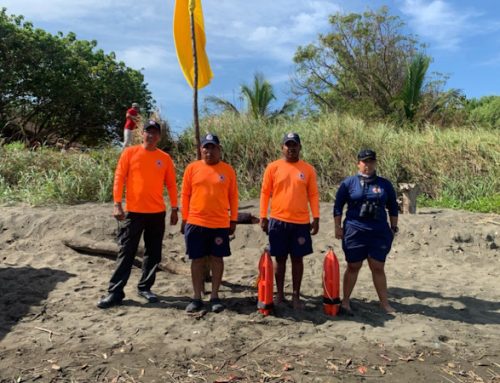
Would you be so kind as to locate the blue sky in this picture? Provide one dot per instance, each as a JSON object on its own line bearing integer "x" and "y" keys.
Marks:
{"x": 243, "y": 37}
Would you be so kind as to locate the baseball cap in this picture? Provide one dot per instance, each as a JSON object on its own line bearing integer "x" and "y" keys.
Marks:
{"x": 151, "y": 124}
{"x": 291, "y": 137}
{"x": 135, "y": 105}
{"x": 209, "y": 139}
{"x": 367, "y": 154}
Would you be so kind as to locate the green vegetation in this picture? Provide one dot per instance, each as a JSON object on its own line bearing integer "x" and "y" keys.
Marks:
{"x": 457, "y": 168}
{"x": 55, "y": 87}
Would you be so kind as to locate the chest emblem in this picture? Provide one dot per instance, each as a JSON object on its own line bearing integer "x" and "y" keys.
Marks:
{"x": 222, "y": 178}
{"x": 302, "y": 176}
{"x": 159, "y": 163}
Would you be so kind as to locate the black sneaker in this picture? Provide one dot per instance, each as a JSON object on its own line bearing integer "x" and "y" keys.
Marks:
{"x": 194, "y": 305}
{"x": 109, "y": 301}
{"x": 149, "y": 295}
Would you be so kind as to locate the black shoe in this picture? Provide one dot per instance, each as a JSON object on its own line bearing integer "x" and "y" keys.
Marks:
{"x": 149, "y": 295}
{"x": 109, "y": 301}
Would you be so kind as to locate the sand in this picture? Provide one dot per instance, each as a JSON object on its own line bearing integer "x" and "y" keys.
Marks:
{"x": 443, "y": 275}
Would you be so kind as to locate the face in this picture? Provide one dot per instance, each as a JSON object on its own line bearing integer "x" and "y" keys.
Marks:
{"x": 210, "y": 153}
{"x": 150, "y": 138}
{"x": 291, "y": 151}
{"x": 367, "y": 167}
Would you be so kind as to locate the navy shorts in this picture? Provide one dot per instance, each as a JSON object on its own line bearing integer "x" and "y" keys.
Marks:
{"x": 204, "y": 241}
{"x": 289, "y": 238}
{"x": 361, "y": 244}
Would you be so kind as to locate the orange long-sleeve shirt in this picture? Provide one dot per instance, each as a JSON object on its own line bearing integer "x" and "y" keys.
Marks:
{"x": 209, "y": 194}
{"x": 144, "y": 174}
{"x": 292, "y": 188}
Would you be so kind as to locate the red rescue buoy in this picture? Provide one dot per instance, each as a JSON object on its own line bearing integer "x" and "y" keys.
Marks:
{"x": 331, "y": 283}
{"x": 265, "y": 283}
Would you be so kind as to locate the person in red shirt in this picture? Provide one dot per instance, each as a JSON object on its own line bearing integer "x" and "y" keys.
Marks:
{"x": 209, "y": 215}
{"x": 145, "y": 171}
{"x": 290, "y": 183}
{"x": 131, "y": 120}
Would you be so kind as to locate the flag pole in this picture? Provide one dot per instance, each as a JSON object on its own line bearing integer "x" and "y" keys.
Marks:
{"x": 195, "y": 85}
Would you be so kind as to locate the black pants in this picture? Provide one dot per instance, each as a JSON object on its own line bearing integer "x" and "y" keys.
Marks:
{"x": 129, "y": 236}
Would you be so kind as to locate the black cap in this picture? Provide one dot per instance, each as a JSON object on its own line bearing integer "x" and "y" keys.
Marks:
{"x": 367, "y": 154}
{"x": 151, "y": 124}
{"x": 209, "y": 139}
{"x": 291, "y": 137}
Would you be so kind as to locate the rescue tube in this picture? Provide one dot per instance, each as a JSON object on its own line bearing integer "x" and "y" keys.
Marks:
{"x": 265, "y": 283}
{"x": 331, "y": 283}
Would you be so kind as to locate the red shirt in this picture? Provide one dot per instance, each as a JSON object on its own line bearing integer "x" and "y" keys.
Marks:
{"x": 129, "y": 123}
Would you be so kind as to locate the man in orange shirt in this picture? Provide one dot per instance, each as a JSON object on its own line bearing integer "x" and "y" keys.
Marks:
{"x": 291, "y": 185}
{"x": 209, "y": 215}
{"x": 144, "y": 170}
{"x": 131, "y": 119}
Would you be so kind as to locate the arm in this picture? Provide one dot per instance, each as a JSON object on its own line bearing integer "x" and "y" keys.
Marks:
{"x": 340, "y": 200}
{"x": 265, "y": 195}
{"x": 233, "y": 202}
{"x": 313, "y": 194}
{"x": 170, "y": 183}
{"x": 185, "y": 197}
{"x": 392, "y": 206}
{"x": 119, "y": 182}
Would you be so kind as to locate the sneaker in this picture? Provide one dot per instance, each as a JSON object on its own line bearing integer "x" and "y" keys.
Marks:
{"x": 194, "y": 305}
{"x": 149, "y": 295}
{"x": 216, "y": 305}
{"x": 109, "y": 301}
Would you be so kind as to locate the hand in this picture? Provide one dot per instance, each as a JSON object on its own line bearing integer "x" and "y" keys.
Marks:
{"x": 315, "y": 226}
{"x": 118, "y": 212}
{"x": 183, "y": 226}
{"x": 339, "y": 232}
{"x": 264, "y": 225}
{"x": 174, "y": 218}
{"x": 232, "y": 227}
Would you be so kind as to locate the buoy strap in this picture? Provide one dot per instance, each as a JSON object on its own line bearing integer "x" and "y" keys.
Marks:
{"x": 330, "y": 301}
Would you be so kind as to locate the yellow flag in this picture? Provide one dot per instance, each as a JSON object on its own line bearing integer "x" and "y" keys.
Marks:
{"x": 184, "y": 45}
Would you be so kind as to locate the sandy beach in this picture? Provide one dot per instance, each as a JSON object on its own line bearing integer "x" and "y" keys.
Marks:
{"x": 443, "y": 275}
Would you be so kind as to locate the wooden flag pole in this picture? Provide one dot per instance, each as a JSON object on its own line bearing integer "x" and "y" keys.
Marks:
{"x": 195, "y": 86}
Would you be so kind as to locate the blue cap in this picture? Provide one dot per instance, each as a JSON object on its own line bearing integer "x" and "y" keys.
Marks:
{"x": 209, "y": 138}
{"x": 367, "y": 154}
{"x": 291, "y": 137}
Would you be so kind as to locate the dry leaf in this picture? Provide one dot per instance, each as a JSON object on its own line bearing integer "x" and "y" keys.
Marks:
{"x": 105, "y": 356}
{"x": 56, "y": 367}
{"x": 362, "y": 370}
{"x": 382, "y": 370}
{"x": 287, "y": 367}
{"x": 348, "y": 362}
{"x": 385, "y": 357}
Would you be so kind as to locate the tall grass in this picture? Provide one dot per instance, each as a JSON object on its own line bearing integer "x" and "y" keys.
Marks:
{"x": 458, "y": 168}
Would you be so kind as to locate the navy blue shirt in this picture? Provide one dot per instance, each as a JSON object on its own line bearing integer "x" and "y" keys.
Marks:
{"x": 355, "y": 191}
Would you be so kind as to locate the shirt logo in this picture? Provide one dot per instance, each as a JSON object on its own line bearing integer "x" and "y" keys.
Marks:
{"x": 302, "y": 176}
{"x": 301, "y": 240}
{"x": 218, "y": 241}
{"x": 377, "y": 190}
{"x": 159, "y": 163}
{"x": 222, "y": 178}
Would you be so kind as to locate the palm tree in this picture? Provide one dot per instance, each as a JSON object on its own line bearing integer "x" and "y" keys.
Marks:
{"x": 258, "y": 100}
{"x": 411, "y": 93}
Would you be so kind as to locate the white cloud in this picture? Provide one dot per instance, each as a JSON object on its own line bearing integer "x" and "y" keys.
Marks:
{"x": 438, "y": 21}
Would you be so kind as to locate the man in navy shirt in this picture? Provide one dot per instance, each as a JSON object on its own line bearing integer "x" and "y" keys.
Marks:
{"x": 366, "y": 233}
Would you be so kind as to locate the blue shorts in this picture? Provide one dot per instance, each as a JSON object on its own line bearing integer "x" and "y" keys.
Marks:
{"x": 361, "y": 244}
{"x": 204, "y": 241}
{"x": 289, "y": 238}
